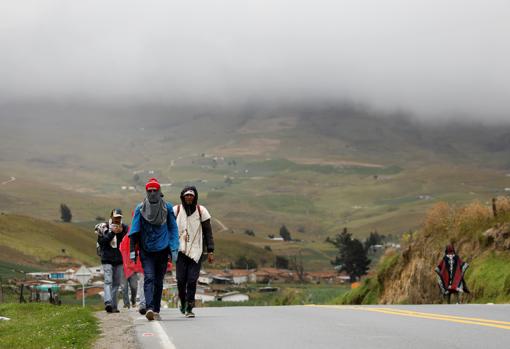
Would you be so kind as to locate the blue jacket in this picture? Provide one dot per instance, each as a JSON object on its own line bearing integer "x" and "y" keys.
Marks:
{"x": 156, "y": 238}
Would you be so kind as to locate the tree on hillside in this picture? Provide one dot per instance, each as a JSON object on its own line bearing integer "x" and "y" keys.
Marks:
{"x": 245, "y": 263}
{"x": 297, "y": 265}
{"x": 281, "y": 262}
{"x": 285, "y": 233}
{"x": 65, "y": 213}
{"x": 352, "y": 256}
{"x": 374, "y": 239}
{"x": 249, "y": 232}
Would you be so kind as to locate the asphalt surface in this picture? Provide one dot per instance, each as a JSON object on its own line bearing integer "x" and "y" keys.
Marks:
{"x": 419, "y": 326}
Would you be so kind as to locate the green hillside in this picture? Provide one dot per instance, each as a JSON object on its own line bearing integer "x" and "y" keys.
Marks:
{"x": 35, "y": 243}
{"x": 407, "y": 276}
{"x": 314, "y": 169}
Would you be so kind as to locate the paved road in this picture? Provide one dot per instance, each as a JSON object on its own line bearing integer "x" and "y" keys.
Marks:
{"x": 426, "y": 326}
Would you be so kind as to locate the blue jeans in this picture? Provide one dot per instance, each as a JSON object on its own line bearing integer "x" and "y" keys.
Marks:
{"x": 154, "y": 268}
{"x": 130, "y": 283}
{"x": 113, "y": 275}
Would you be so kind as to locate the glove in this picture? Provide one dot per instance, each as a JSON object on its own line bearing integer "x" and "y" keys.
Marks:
{"x": 175, "y": 255}
{"x": 132, "y": 256}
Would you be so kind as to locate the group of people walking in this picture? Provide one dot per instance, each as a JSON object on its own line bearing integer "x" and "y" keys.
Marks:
{"x": 161, "y": 236}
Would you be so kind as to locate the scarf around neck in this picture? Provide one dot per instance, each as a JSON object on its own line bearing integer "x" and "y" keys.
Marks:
{"x": 154, "y": 208}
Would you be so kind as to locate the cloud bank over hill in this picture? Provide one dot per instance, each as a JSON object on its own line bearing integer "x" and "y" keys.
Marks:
{"x": 432, "y": 58}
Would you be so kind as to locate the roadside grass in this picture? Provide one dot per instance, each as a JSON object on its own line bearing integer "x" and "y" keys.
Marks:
{"x": 47, "y": 326}
{"x": 489, "y": 278}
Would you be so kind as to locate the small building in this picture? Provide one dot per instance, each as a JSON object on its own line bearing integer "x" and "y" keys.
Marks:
{"x": 240, "y": 276}
{"x": 204, "y": 297}
{"x": 222, "y": 280}
{"x": 233, "y": 297}
{"x": 39, "y": 275}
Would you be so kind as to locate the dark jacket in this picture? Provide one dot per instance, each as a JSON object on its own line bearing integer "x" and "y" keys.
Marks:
{"x": 110, "y": 255}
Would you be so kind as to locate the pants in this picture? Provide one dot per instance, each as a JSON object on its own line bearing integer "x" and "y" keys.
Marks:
{"x": 130, "y": 283}
{"x": 187, "y": 271}
{"x": 141, "y": 294}
{"x": 113, "y": 275}
{"x": 154, "y": 268}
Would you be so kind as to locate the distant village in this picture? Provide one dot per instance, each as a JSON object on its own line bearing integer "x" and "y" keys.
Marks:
{"x": 213, "y": 285}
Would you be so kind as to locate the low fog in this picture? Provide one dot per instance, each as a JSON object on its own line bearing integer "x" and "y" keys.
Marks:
{"x": 434, "y": 59}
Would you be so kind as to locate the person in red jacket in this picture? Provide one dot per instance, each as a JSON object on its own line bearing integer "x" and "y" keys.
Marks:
{"x": 133, "y": 273}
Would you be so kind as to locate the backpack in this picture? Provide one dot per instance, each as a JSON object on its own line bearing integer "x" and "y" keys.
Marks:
{"x": 99, "y": 229}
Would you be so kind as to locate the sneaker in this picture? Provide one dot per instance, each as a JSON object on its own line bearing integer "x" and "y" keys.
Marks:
{"x": 142, "y": 311}
{"x": 157, "y": 317}
{"x": 189, "y": 311}
{"x": 126, "y": 306}
{"x": 108, "y": 308}
{"x": 149, "y": 315}
{"x": 115, "y": 310}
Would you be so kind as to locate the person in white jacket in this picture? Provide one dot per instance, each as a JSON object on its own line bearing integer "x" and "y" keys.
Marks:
{"x": 195, "y": 240}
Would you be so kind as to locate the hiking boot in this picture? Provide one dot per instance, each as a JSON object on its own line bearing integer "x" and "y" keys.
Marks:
{"x": 115, "y": 310}
{"x": 142, "y": 311}
{"x": 182, "y": 308}
{"x": 126, "y": 306}
{"x": 157, "y": 317}
{"x": 108, "y": 307}
{"x": 149, "y": 315}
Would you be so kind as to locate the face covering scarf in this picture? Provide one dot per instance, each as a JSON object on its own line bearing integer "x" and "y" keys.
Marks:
{"x": 154, "y": 208}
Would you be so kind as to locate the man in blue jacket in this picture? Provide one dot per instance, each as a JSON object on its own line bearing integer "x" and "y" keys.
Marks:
{"x": 154, "y": 230}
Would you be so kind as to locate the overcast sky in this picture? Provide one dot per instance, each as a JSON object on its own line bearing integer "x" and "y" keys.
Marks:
{"x": 433, "y": 57}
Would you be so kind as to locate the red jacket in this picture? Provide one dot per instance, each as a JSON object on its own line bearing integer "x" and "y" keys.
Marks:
{"x": 129, "y": 266}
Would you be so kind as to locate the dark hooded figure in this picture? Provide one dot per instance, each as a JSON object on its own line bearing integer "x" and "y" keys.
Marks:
{"x": 450, "y": 274}
{"x": 195, "y": 239}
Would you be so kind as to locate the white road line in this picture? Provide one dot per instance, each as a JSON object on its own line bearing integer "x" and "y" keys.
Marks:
{"x": 163, "y": 337}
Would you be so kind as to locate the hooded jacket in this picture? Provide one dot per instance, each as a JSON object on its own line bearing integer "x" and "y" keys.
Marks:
{"x": 204, "y": 216}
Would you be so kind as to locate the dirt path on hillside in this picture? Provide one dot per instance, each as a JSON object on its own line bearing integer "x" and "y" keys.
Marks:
{"x": 117, "y": 331}
{"x": 223, "y": 226}
{"x": 9, "y": 181}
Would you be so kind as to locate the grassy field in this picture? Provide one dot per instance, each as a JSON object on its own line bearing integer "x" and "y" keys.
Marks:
{"x": 34, "y": 242}
{"x": 47, "y": 326}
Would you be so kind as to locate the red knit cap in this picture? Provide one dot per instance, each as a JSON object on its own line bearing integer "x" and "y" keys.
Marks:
{"x": 152, "y": 184}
